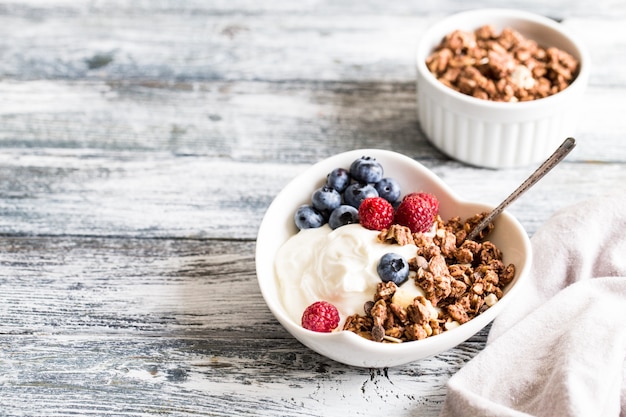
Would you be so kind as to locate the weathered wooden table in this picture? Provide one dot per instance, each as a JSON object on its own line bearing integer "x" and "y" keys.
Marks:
{"x": 140, "y": 144}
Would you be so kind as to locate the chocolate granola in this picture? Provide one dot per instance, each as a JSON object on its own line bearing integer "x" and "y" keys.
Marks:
{"x": 503, "y": 66}
{"x": 460, "y": 278}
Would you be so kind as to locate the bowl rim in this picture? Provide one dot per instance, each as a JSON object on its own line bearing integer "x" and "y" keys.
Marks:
{"x": 424, "y": 47}
{"x": 390, "y": 354}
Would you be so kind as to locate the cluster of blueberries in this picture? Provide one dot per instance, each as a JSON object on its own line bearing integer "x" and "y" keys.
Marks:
{"x": 337, "y": 202}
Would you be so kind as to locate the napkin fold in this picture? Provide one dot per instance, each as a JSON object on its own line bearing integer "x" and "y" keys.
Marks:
{"x": 559, "y": 347}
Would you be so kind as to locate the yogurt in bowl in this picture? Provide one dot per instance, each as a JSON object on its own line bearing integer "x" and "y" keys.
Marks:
{"x": 338, "y": 266}
{"x": 285, "y": 298}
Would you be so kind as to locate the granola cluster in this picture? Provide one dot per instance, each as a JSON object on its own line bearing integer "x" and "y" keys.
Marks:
{"x": 501, "y": 67}
{"x": 460, "y": 279}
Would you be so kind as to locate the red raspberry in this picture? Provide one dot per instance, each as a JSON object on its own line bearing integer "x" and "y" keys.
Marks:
{"x": 376, "y": 213}
{"x": 417, "y": 211}
{"x": 321, "y": 316}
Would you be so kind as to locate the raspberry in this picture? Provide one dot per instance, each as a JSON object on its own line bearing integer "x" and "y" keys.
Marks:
{"x": 376, "y": 213}
{"x": 417, "y": 211}
{"x": 321, "y": 316}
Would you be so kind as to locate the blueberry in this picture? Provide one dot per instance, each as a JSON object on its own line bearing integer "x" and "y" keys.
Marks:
{"x": 307, "y": 217}
{"x": 325, "y": 200}
{"x": 343, "y": 215}
{"x": 339, "y": 179}
{"x": 393, "y": 267}
{"x": 357, "y": 192}
{"x": 389, "y": 189}
{"x": 366, "y": 170}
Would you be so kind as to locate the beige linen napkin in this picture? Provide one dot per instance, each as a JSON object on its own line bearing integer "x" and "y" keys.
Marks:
{"x": 559, "y": 347}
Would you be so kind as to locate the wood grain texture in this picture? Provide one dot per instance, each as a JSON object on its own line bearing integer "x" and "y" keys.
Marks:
{"x": 143, "y": 326}
{"x": 140, "y": 145}
{"x": 113, "y": 194}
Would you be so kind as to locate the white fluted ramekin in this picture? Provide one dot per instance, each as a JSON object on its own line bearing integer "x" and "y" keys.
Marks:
{"x": 496, "y": 134}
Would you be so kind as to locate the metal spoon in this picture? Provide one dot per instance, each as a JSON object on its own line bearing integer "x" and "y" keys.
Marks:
{"x": 558, "y": 155}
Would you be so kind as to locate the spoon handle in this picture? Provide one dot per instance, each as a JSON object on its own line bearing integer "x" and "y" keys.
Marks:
{"x": 558, "y": 155}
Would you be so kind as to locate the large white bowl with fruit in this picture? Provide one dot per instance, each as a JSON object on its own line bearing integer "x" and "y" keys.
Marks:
{"x": 319, "y": 272}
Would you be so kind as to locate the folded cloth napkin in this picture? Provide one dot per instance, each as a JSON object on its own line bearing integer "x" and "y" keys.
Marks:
{"x": 559, "y": 347}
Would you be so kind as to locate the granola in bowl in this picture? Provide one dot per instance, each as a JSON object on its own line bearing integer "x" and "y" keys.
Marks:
{"x": 460, "y": 279}
{"x": 501, "y": 66}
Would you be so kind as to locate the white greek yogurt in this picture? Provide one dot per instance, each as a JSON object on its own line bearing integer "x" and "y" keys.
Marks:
{"x": 338, "y": 266}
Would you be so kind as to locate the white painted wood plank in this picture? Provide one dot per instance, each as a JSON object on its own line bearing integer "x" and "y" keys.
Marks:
{"x": 251, "y": 121}
{"x": 141, "y": 377}
{"x": 134, "y": 327}
{"x": 112, "y": 194}
{"x": 189, "y": 44}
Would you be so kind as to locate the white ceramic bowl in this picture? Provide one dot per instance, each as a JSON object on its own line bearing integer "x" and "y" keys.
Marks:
{"x": 496, "y": 134}
{"x": 347, "y": 347}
